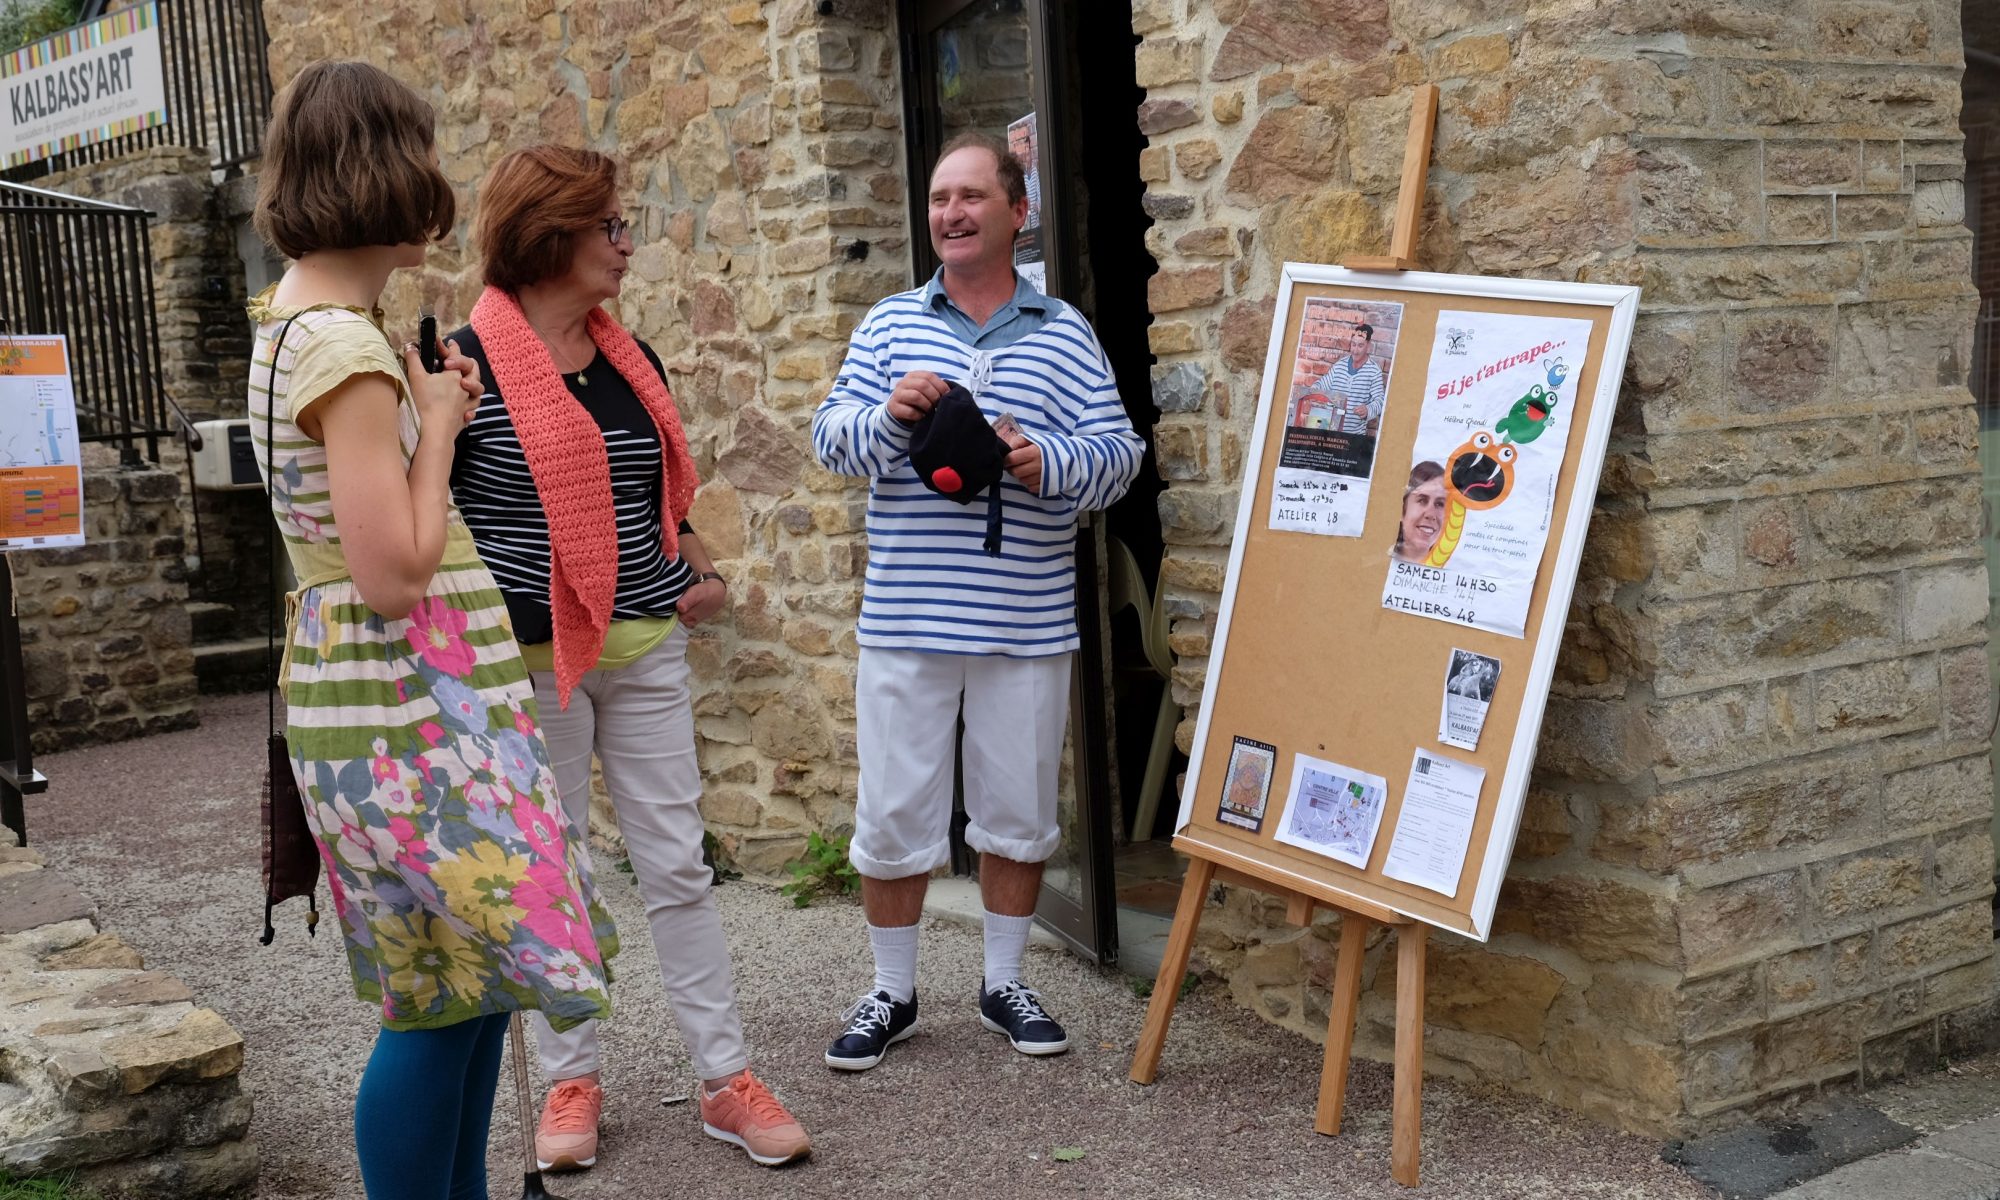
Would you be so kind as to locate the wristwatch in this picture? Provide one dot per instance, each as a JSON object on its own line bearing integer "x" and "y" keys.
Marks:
{"x": 705, "y": 576}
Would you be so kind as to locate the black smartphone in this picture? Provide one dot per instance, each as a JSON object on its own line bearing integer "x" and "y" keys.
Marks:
{"x": 427, "y": 344}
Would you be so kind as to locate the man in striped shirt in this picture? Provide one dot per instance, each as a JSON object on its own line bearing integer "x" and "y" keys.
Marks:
{"x": 947, "y": 629}
{"x": 1356, "y": 382}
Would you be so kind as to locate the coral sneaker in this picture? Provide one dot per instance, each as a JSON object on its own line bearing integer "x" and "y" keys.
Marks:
{"x": 566, "y": 1136}
{"x": 747, "y": 1114}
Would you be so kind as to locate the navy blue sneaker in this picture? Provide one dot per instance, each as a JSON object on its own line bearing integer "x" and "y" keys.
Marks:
{"x": 874, "y": 1023}
{"x": 1015, "y": 1009}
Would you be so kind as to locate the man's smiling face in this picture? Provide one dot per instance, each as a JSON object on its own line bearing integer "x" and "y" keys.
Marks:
{"x": 972, "y": 223}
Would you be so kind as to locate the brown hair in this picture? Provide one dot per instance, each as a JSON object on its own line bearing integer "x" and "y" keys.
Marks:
{"x": 532, "y": 205}
{"x": 1012, "y": 178}
{"x": 347, "y": 163}
{"x": 1420, "y": 475}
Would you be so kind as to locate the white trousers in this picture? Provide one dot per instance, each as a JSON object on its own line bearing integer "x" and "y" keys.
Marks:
{"x": 640, "y": 721}
{"x": 906, "y": 716}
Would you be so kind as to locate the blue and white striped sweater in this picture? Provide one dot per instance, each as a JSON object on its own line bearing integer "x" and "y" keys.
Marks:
{"x": 930, "y": 585}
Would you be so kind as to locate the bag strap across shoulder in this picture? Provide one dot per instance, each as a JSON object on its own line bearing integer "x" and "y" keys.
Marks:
{"x": 277, "y": 530}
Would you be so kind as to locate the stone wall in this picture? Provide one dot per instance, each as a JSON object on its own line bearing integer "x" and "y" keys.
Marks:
{"x": 106, "y": 643}
{"x": 108, "y": 1071}
{"x": 204, "y": 351}
{"x": 1755, "y": 859}
{"x": 763, "y": 144}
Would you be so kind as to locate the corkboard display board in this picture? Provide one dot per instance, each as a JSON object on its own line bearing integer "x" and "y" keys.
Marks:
{"x": 1310, "y": 657}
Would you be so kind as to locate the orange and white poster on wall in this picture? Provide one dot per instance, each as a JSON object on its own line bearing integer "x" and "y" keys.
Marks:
{"x": 41, "y": 464}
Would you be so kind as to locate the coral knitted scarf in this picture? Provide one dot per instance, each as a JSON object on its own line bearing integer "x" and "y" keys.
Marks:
{"x": 565, "y": 451}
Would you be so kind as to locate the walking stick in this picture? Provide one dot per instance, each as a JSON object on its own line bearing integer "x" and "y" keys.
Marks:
{"x": 531, "y": 1177}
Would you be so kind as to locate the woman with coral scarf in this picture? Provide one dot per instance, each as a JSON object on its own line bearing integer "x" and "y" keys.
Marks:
{"x": 575, "y": 479}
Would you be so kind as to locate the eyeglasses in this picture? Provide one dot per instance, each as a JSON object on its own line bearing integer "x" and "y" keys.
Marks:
{"x": 617, "y": 227}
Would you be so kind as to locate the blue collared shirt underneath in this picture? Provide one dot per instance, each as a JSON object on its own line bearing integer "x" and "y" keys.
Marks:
{"x": 1022, "y": 315}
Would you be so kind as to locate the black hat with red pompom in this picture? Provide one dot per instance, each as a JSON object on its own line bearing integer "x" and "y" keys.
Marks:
{"x": 957, "y": 455}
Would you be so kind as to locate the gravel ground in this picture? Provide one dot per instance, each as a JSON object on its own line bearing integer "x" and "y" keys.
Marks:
{"x": 162, "y": 834}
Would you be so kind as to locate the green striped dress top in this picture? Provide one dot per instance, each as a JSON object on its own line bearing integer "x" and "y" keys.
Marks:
{"x": 461, "y": 886}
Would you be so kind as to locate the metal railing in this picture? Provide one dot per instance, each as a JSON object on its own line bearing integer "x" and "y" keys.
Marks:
{"x": 84, "y": 269}
{"x": 218, "y": 89}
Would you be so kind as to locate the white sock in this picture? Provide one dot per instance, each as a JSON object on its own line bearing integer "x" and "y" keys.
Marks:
{"x": 1006, "y": 941}
{"x": 895, "y": 950}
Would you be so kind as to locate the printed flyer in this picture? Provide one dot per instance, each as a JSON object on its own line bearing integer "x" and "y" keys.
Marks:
{"x": 1246, "y": 786}
{"x": 1338, "y": 388}
{"x": 1469, "y": 683}
{"x": 1481, "y": 491}
{"x": 41, "y": 463}
{"x": 1333, "y": 810}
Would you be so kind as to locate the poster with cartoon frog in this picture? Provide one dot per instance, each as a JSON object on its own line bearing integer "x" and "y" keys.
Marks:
{"x": 1477, "y": 503}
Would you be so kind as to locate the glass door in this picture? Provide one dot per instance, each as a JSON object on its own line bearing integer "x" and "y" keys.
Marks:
{"x": 979, "y": 65}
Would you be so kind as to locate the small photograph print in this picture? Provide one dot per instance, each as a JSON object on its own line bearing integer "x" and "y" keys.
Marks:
{"x": 1469, "y": 682}
{"x": 1333, "y": 810}
{"x": 1337, "y": 389}
{"x": 1246, "y": 786}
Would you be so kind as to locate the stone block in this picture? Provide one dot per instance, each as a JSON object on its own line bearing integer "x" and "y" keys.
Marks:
{"x": 1601, "y": 740}
{"x": 1704, "y": 642}
{"x": 1601, "y": 919}
{"x": 1277, "y": 32}
{"x": 1883, "y": 880}
{"x": 1724, "y": 924}
{"x": 1780, "y": 359}
{"x": 1245, "y": 333}
{"x": 1162, "y": 62}
{"x": 1962, "y": 862}
{"x": 1894, "y": 348}
{"x": 1947, "y": 602}
{"x": 1803, "y": 164}
{"x": 1674, "y": 370}
{"x": 1323, "y": 226}
{"x": 1164, "y": 116}
{"x": 1184, "y": 287}
{"x": 1940, "y": 202}
{"x": 1858, "y": 216}
{"x": 1179, "y": 388}
{"x": 1720, "y": 1004}
{"x": 1189, "y": 517}
{"x": 1698, "y": 191}
{"x": 1932, "y": 270}
{"x": 1949, "y": 793}
{"x": 201, "y": 1046}
{"x": 1812, "y": 97}
{"x": 1784, "y": 274}
{"x": 36, "y": 898}
{"x": 1895, "y": 694}
{"x": 1709, "y": 821}
{"x": 1968, "y": 695}
{"x": 1957, "y": 933}
{"x": 1290, "y": 152}
{"x": 1798, "y": 218}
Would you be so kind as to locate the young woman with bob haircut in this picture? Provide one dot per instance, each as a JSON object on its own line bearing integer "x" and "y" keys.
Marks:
{"x": 462, "y": 891}
{"x": 575, "y": 477}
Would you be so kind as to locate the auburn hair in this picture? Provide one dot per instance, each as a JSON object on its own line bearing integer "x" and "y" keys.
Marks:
{"x": 348, "y": 162}
{"x": 532, "y": 206}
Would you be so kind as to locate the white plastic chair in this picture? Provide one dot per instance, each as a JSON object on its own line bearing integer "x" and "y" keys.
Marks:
{"x": 1128, "y": 587}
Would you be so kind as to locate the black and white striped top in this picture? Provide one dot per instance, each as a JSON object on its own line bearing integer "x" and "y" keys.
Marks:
{"x": 493, "y": 488}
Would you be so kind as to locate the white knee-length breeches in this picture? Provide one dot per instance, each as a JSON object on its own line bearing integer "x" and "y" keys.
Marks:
{"x": 906, "y": 717}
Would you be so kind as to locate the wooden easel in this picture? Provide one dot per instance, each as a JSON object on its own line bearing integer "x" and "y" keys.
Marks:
{"x": 1209, "y": 865}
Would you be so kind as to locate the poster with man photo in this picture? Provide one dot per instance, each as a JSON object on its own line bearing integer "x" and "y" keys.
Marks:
{"x": 1489, "y": 452}
{"x": 1337, "y": 388}
{"x": 1246, "y": 787}
{"x": 1469, "y": 683}
{"x": 1029, "y": 259}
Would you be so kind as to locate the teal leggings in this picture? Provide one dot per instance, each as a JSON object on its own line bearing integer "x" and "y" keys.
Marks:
{"x": 425, "y": 1105}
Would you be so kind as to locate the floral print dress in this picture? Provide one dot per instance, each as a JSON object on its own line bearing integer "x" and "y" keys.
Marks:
{"x": 460, "y": 885}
